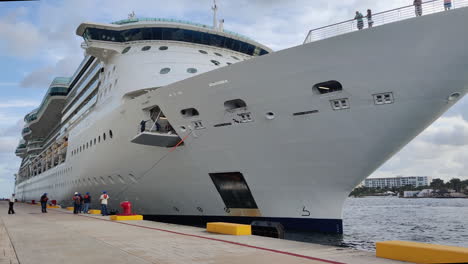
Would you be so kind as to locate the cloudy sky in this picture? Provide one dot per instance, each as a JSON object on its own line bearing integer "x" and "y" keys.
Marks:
{"x": 38, "y": 43}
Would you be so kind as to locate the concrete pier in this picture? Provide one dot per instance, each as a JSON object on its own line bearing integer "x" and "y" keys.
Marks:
{"x": 61, "y": 237}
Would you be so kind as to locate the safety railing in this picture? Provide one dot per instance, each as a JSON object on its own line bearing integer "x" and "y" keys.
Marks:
{"x": 381, "y": 18}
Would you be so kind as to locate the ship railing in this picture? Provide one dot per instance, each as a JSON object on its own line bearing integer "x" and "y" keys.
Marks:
{"x": 161, "y": 125}
{"x": 381, "y": 18}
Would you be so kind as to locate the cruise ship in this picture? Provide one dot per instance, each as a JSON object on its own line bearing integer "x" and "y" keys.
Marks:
{"x": 193, "y": 123}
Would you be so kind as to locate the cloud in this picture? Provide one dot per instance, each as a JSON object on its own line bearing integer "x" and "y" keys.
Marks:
{"x": 440, "y": 152}
{"x": 19, "y": 103}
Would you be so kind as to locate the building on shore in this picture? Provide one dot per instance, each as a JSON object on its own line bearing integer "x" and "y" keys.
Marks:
{"x": 399, "y": 181}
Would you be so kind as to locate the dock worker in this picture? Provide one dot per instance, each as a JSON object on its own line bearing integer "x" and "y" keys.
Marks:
{"x": 80, "y": 208}
{"x": 44, "y": 200}
{"x": 87, "y": 201}
{"x": 418, "y": 7}
{"x": 104, "y": 198}
{"x": 11, "y": 203}
{"x": 359, "y": 18}
{"x": 76, "y": 203}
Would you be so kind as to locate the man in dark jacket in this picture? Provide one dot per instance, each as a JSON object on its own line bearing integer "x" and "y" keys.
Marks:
{"x": 44, "y": 200}
{"x": 87, "y": 201}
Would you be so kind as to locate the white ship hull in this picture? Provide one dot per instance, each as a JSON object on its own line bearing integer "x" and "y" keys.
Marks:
{"x": 299, "y": 168}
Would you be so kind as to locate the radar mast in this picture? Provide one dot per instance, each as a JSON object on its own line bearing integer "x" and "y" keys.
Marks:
{"x": 215, "y": 13}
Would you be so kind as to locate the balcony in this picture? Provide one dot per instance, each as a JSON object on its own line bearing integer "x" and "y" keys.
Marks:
{"x": 26, "y": 131}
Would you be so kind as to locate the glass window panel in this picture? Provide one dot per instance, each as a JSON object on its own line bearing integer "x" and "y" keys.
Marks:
{"x": 205, "y": 39}
{"x": 197, "y": 37}
{"x": 188, "y": 35}
{"x": 178, "y": 35}
{"x": 157, "y": 33}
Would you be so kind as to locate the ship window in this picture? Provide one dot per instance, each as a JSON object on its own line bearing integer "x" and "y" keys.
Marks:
{"x": 234, "y": 104}
{"x": 328, "y": 87}
{"x": 192, "y": 70}
{"x": 91, "y": 142}
{"x": 125, "y": 50}
{"x": 215, "y": 62}
{"x": 203, "y": 52}
{"x": 217, "y": 54}
{"x": 228, "y": 63}
{"x": 234, "y": 57}
{"x": 145, "y": 48}
{"x": 163, "y": 48}
{"x": 104, "y": 136}
{"x": 110, "y": 133}
{"x": 99, "y": 139}
{"x": 164, "y": 70}
{"x": 189, "y": 112}
{"x": 94, "y": 141}
{"x": 87, "y": 144}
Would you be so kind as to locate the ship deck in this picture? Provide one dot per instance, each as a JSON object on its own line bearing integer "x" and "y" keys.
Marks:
{"x": 61, "y": 237}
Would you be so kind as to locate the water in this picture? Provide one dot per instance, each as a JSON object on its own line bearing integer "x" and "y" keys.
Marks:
{"x": 367, "y": 220}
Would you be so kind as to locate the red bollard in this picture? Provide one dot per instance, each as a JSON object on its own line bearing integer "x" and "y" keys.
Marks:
{"x": 127, "y": 208}
{"x": 54, "y": 202}
{"x": 33, "y": 201}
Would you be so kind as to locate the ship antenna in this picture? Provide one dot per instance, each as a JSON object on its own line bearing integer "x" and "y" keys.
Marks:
{"x": 215, "y": 12}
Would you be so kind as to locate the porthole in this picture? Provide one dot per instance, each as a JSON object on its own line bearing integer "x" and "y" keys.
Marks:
{"x": 104, "y": 136}
{"x": 110, "y": 133}
{"x": 270, "y": 115}
{"x": 215, "y": 62}
{"x": 87, "y": 145}
{"x": 228, "y": 63}
{"x": 113, "y": 69}
{"x": 163, "y": 48}
{"x": 80, "y": 148}
{"x": 94, "y": 141}
{"x": 99, "y": 139}
{"x": 90, "y": 143}
{"x": 189, "y": 112}
{"x": 145, "y": 48}
{"x": 234, "y": 104}
{"x": 203, "y": 52}
{"x": 217, "y": 54}
{"x": 125, "y": 50}
{"x": 164, "y": 70}
{"x": 328, "y": 87}
{"x": 234, "y": 57}
{"x": 192, "y": 70}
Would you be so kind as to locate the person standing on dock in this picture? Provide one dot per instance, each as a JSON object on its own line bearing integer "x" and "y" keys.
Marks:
{"x": 44, "y": 200}
{"x": 104, "y": 198}
{"x": 418, "y": 7}
{"x": 87, "y": 201}
{"x": 11, "y": 203}
{"x": 447, "y": 4}
{"x": 80, "y": 207}
{"x": 359, "y": 18}
{"x": 76, "y": 203}
{"x": 370, "y": 22}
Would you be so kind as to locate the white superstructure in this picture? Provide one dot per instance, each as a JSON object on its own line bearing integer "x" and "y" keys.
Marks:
{"x": 234, "y": 130}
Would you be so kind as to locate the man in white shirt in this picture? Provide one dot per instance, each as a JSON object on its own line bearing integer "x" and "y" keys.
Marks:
{"x": 103, "y": 198}
{"x": 11, "y": 203}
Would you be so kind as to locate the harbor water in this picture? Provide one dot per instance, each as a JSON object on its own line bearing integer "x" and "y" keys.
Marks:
{"x": 371, "y": 219}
